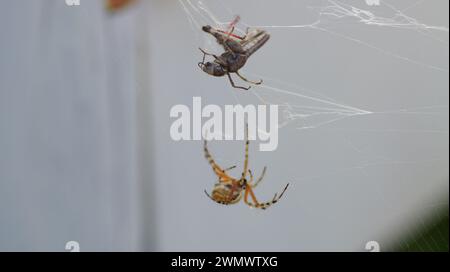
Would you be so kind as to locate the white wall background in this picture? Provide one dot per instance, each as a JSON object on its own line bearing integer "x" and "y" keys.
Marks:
{"x": 67, "y": 122}
{"x": 85, "y": 152}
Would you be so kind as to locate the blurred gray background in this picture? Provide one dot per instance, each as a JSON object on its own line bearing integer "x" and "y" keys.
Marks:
{"x": 85, "y": 150}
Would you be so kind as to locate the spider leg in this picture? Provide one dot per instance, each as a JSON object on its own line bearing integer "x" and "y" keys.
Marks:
{"x": 216, "y": 168}
{"x": 251, "y": 176}
{"x": 248, "y": 190}
{"x": 209, "y": 196}
{"x": 249, "y": 81}
{"x": 234, "y": 86}
{"x": 260, "y": 178}
{"x": 229, "y": 168}
{"x": 246, "y": 152}
{"x": 256, "y": 204}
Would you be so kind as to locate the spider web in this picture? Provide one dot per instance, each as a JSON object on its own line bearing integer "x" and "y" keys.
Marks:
{"x": 360, "y": 124}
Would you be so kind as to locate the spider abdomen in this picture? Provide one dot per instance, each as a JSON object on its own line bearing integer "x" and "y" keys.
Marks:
{"x": 226, "y": 193}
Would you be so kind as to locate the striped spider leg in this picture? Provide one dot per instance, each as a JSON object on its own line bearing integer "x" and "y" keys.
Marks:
{"x": 229, "y": 190}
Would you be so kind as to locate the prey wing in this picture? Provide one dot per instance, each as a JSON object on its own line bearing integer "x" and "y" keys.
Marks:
{"x": 254, "y": 40}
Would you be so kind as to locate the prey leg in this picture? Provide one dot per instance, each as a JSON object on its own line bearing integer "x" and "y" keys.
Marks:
{"x": 207, "y": 54}
{"x": 218, "y": 59}
{"x": 234, "y": 86}
{"x": 249, "y": 81}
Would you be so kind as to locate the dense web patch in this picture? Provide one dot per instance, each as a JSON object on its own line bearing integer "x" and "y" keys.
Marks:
{"x": 313, "y": 105}
{"x": 307, "y": 109}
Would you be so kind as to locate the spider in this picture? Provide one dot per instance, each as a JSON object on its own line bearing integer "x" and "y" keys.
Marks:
{"x": 229, "y": 190}
{"x": 237, "y": 51}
